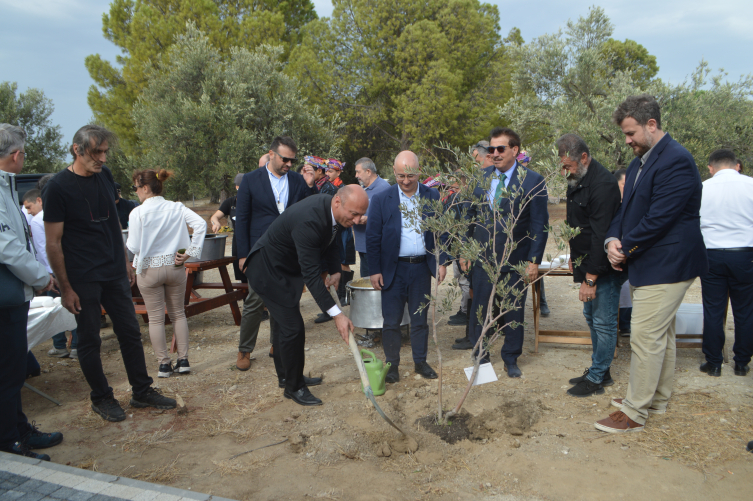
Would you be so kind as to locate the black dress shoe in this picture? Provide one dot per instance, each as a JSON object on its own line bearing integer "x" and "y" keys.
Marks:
{"x": 463, "y": 344}
{"x": 458, "y": 319}
{"x": 741, "y": 370}
{"x": 513, "y": 370}
{"x": 425, "y": 371}
{"x": 393, "y": 374}
{"x": 302, "y": 397}
{"x": 459, "y": 339}
{"x": 711, "y": 370}
{"x": 308, "y": 381}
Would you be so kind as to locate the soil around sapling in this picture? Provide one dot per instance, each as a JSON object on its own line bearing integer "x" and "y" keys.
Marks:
{"x": 452, "y": 432}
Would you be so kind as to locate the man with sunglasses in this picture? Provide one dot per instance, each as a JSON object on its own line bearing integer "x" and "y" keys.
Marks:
{"x": 85, "y": 250}
{"x": 519, "y": 193}
{"x": 263, "y": 195}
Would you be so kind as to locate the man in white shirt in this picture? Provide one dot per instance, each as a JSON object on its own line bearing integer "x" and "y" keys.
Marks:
{"x": 727, "y": 227}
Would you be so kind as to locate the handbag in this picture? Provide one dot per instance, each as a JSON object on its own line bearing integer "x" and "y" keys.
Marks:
{"x": 11, "y": 289}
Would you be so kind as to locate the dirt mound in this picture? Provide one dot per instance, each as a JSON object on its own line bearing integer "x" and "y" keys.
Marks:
{"x": 512, "y": 416}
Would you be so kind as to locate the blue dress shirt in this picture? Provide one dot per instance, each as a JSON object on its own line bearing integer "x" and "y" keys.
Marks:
{"x": 495, "y": 181}
{"x": 411, "y": 238}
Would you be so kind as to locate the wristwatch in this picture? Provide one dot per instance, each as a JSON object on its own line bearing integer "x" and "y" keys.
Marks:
{"x": 590, "y": 282}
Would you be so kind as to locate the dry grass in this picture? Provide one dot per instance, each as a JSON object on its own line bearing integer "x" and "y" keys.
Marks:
{"x": 698, "y": 430}
{"x": 164, "y": 474}
{"x": 245, "y": 464}
{"x": 138, "y": 443}
{"x": 88, "y": 463}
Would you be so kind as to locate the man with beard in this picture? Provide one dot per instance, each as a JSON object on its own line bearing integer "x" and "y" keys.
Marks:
{"x": 593, "y": 198}
{"x": 657, "y": 235}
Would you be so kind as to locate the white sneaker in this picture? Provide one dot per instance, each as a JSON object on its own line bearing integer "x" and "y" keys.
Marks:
{"x": 74, "y": 353}
{"x": 58, "y": 353}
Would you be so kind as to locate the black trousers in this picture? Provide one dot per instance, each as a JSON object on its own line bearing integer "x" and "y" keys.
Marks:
{"x": 730, "y": 273}
{"x": 288, "y": 340}
{"x": 482, "y": 289}
{"x": 115, "y": 296}
{"x": 13, "y": 423}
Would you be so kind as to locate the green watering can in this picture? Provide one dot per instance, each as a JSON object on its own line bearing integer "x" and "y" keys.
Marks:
{"x": 376, "y": 371}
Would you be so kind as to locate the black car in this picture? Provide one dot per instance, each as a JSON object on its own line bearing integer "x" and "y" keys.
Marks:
{"x": 26, "y": 182}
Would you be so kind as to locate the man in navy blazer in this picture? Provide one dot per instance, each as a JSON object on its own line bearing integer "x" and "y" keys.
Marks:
{"x": 530, "y": 209}
{"x": 263, "y": 195}
{"x": 402, "y": 262}
{"x": 657, "y": 235}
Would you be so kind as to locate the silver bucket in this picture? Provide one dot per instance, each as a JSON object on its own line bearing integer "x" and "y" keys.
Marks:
{"x": 366, "y": 307}
{"x": 213, "y": 248}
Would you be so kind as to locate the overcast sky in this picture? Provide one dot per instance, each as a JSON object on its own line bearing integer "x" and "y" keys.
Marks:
{"x": 43, "y": 43}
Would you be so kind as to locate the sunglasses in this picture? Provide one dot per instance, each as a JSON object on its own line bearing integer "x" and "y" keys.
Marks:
{"x": 285, "y": 159}
{"x": 500, "y": 149}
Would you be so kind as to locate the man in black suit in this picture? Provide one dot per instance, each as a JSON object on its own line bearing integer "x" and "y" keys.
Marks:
{"x": 529, "y": 208}
{"x": 263, "y": 195}
{"x": 288, "y": 256}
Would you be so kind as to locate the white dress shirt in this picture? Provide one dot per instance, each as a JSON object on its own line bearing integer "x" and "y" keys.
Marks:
{"x": 727, "y": 210}
{"x": 157, "y": 229}
{"x": 334, "y": 311}
{"x": 39, "y": 238}
{"x": 279, "y": 188}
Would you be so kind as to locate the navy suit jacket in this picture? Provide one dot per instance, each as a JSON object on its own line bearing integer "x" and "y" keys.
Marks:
{"x": 256, "y": 208}
{"x": 383, "y": 230}
{"x": 659, "y": 223}
{"x": 533, "y": 217}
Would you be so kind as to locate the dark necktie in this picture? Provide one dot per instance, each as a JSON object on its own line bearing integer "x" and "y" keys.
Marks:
{"x": 334, "y": 232}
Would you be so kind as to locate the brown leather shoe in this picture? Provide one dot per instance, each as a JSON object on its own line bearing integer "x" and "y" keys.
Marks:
{"x": 244, "y": 361}
{"x": 617, "y": 402}
{"x": 618, "y": 422}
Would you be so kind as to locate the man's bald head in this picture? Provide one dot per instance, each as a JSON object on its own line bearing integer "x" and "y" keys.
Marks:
{"x": 406, "y": 159}
{"x": 349, "y": 204}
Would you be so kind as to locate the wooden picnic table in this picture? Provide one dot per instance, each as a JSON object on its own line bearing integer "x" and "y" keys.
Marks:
{"x": 584, "y": 337}
{"x": 196, "y": 304}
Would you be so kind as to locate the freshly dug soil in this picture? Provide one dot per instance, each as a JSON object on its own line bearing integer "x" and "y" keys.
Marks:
{"x": 454, "y": 432}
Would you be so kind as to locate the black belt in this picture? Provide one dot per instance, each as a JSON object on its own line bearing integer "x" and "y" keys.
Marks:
{"x": 735, "y": 249}
{"x": 412, "y": 259}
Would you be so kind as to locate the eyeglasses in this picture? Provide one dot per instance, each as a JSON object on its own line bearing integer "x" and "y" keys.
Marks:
{"x": 285, "y": 159}
{"x": 20, "y": 152}
{"x": 500, "y": 149}
{"x": 409, "y": 177}
{"x": 134, "y": 187}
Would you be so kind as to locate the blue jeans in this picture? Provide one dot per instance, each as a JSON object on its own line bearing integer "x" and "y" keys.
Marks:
{"x": 601, "y": 316}
{"x": 411, "y": 284}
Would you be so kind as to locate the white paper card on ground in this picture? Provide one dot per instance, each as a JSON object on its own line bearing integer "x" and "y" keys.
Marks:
{"x": 485, "y": 374}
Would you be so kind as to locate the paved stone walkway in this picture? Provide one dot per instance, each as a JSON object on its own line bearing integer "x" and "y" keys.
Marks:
{"x": 25, "y": 479}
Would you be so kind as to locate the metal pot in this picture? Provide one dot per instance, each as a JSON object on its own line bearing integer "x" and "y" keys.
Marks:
{"x": 130, "y": 254}
{"x": 366, "y": 308}
{"x": 213, "y": 248}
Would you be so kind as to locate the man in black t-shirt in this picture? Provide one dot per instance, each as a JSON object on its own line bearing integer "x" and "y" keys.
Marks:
{"x": 227, "y": 210}
{"x": 85, "y": 250}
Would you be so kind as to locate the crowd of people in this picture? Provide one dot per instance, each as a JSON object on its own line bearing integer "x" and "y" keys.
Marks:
{"x": 645, "y": 234}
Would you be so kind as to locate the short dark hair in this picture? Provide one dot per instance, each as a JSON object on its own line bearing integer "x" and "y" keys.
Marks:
{"x": 84, "y": 136}
{"x": 367, "y": 164}
{"x": 641, "y": 108}
{"x": 723, "y": 157}
{"x": 32, "y": 195}
{"x": 740, "y": 163}
{"x": 620, "y": 173}
{"x": 44, "y": 180}
{"x": 284, "y": 141}
{"x": 572, "y": 146}
{"x": 512, "y": 136}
